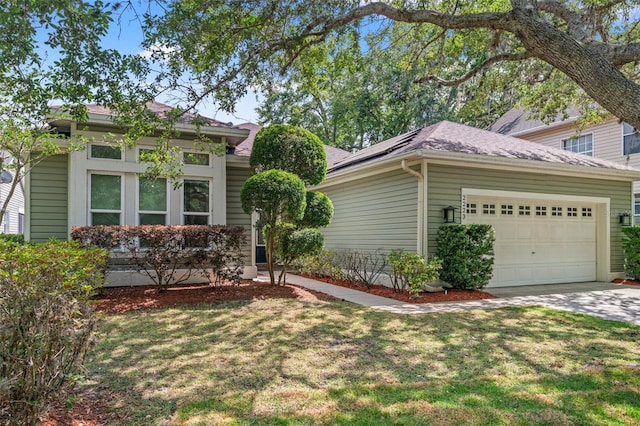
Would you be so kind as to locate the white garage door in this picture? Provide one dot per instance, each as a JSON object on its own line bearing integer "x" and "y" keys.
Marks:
{"x": 538, "y": 242}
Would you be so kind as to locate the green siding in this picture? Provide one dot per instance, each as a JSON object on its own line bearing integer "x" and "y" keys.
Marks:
{"x": 48, "y": 199}
{"x": 446, "y": 183}
{"x": 377, "y": 212}
{"x": 235, "y": 216}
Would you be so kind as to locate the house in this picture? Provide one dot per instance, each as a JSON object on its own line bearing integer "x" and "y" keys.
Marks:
{"x": 13, "y": 220}
{"x": 611, "y": 139}
{"x": 101, "y": 186}
{"x": 555, "y": 212}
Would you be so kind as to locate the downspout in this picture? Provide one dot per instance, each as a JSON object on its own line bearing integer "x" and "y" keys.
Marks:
{"x": 421, "y": 211}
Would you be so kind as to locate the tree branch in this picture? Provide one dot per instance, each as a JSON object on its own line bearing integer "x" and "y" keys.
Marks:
{"x": 484, "y": 65}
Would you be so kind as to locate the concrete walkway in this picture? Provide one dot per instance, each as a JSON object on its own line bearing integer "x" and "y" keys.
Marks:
{"x": 604, "y": 300}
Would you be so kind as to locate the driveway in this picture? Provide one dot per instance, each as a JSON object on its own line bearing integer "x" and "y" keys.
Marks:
{"x": 605, "y": 300}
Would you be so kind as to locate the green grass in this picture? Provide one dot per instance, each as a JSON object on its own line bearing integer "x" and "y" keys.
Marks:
{"x": 284, "y": 362}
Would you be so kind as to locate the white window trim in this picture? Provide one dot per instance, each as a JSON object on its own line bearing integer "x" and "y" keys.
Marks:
{"x": 577, "y": 138}
{"x": 90, "y": 210}
{"x": 192, "y": 151}
{"x": 623, "y": 134}
{"x": 209, "y": 214}
{"x": 90, "y": 157}
{"x": 166, "y": 210}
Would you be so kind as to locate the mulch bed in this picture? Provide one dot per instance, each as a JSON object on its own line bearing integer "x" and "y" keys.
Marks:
{"x": 451, "y": 295}
{"x": 626, "y": 281}
{"x": 115, "y": 300}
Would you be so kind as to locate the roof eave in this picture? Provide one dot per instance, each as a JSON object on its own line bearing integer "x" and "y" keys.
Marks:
{"x": 534, "y": 166}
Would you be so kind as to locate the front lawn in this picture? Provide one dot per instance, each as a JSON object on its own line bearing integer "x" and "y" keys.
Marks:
{"x": 291, "y": 362}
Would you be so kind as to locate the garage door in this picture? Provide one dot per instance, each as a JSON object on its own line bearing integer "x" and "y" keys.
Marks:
{"x": 538, "y": 241}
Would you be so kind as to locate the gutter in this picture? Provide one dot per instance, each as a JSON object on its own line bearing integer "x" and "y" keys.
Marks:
{"x": 533, "y": 166}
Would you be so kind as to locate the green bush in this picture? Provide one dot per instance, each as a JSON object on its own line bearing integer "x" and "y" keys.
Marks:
{"x": 12, "y": 238}
{"x": 631, "y": 247}
{"x": 46, "y": 321}
{"x": 322, "y": 265}
{"x": 467, "y": 255}
{"x": 412, "y": 271}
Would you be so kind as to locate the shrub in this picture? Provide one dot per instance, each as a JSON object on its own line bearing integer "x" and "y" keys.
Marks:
{"x": 467, "y": 255}
{"x": 46, "y": 321}
{"x": 322, "y": 265}
{"x": 291, "y": 243}
{"x": 412, "y": 271}
{"x": 363, "y": 267}
{"x": 173, "y": 254}
{"x": 12, "y": 238}
{"x": 631, "y": 247}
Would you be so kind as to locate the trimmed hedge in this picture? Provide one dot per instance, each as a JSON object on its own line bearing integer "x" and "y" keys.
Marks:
{"x": 12, "y": 238}
{"x": 159, "y": 252}
{"x": 46, "y": 321}
{"x": 467, "y": 255}
{"x": 631, "y": 247}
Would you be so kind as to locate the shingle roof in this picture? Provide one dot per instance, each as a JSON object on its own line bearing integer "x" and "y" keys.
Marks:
{"x": 446, "y": 136}
{"x": 162, "y": 109}
{"x": 244, "y": 149}
{"x": 516, "y": 121}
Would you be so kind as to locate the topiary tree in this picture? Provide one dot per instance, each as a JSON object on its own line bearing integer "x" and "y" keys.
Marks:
{"x": 284, "y": 159}
{"x": 276, "y": 195}
{"x": 291, "y": 149}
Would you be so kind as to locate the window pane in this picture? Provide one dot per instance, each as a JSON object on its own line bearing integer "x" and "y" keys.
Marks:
{"x": 105, "y": 151}
{"x": 152, "y": 219}
{"x": 627, "y": 128}
{"x": 153, "y": 194}
{"x": 105, "y": 218}
{"x": 196, "y": 196}
{"x": 144, "y": 153}
{"x": 190, "y": 219}
{"x": 632, "y": 143}
{"x": 198, "y": 159}
{"x": 105, "y": 192}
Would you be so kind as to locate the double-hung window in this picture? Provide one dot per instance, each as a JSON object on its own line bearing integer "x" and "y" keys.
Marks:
{"x": 152, "y": 201}
{"x": 580, "y": 144}
{"x": 630, "y": 139}
{"x": 105, "y": 199}
{"x": 196, "y": 205}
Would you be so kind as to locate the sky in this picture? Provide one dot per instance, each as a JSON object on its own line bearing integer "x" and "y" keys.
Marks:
{"x": 126, "y": 37}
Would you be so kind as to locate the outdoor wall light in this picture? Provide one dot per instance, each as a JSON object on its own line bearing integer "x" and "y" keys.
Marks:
{"x": 449, "y": 214}
{"x": 625, "y": 219}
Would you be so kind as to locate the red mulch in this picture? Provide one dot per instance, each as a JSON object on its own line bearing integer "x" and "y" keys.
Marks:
{"x": 626, "y": 281}
{"x": 90, "y": 409}
{"x": 451, "y": 295}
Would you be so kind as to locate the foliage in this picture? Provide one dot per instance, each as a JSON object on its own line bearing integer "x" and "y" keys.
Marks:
{"x": 412, "y": 271}
{"x": 318, "y": 212}
{"x": 291, "y": 243}
{"x": 46, "y": 321}
{"x": 173, "y": 254}
{"x": 578, "y": 46}
{"x": 12, "y": 238}
{"x": 274, "y": 194}
{"x": 291, "y": 149}
{"x": 364, "y": 266}
{"x": 323, "y": 265}
{"x": 631, "y": 247}
{"x": 467, "y": 255}
{"x": 53, "y": 52}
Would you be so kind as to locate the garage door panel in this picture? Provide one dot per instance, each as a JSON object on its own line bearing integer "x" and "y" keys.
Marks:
{"x": 554, "y": 243}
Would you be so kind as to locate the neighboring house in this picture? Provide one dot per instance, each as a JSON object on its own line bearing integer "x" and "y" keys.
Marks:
{"x": 610, "y": 140}
{"x": 555, "y": 212}
{"x": 101, "y": 186}
{"x": 13, "y": 220}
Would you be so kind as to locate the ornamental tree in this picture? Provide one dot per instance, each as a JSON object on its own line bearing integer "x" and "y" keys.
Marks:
{"x": 283, "y": 159}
